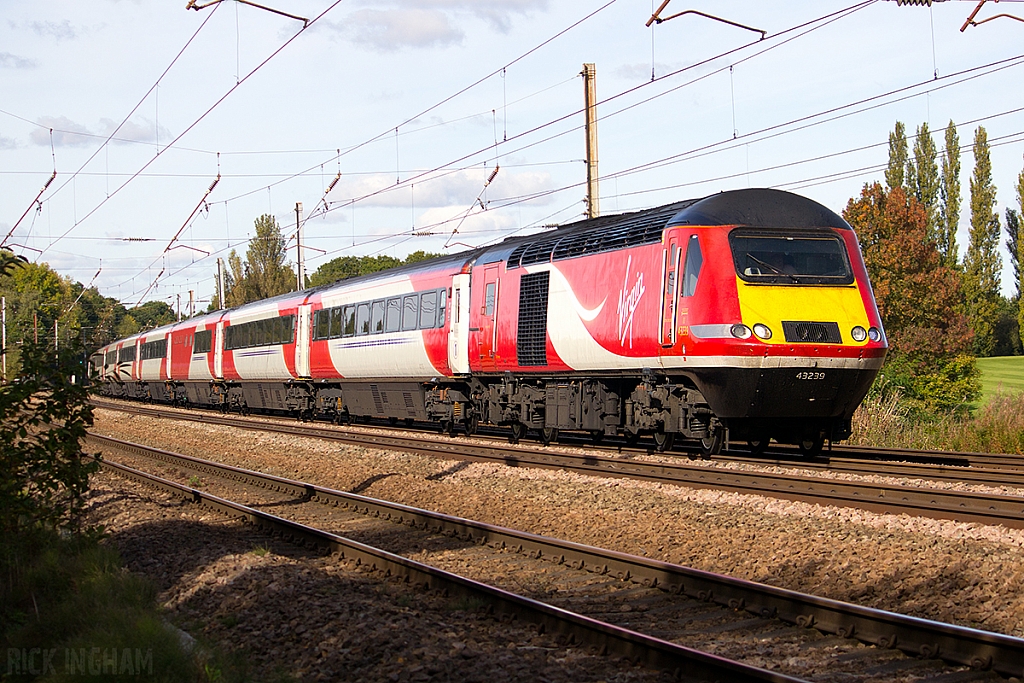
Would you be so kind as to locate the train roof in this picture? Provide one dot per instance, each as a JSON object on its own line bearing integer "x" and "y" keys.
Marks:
{"x": 757, "y": 207}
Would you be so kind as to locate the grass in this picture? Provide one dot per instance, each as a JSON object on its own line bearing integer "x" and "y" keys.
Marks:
{"x": 1002, "y": 374}
{"x": 70, "y": 597}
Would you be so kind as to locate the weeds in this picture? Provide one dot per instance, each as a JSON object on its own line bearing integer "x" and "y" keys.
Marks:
{"x": 997, "y": 427}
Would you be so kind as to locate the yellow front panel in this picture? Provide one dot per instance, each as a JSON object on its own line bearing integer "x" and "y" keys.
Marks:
{"x": 771, "y": 304}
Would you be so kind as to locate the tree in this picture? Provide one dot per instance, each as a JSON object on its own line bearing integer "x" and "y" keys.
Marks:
{"x": 350, "y": 266}
{"x": 153, "y": 314}
{"x": 923, "y": 179}
{"x": 894, "y": 174}
{"x": 982, "y": 262}
{"x": 263, "y": 274}
{"x": 949, "y": 198}
{"x": 918, "y": 298}
{"x": 1017, "y": 253}
{"x": 43, "y": 421}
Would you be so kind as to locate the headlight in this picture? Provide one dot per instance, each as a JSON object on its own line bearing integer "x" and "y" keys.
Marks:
{"x": 762, "y": 331}
{"x": 859, "y": 333}
{"x": 874, "y": 334}
{"x": 740, "y": 331}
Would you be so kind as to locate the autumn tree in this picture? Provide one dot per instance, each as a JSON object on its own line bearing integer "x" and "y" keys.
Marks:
{"x": 918, "y": 298}
{"x": 949, "y": 198}
{"x": 982, "y": 263}
{"x": 895, "y": 172}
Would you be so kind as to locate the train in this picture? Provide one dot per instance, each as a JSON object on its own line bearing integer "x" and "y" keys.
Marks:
{"x": 743, "y": 316}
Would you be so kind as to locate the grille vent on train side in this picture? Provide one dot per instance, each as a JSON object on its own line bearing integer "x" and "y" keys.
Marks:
{"x": 811, "y": 333}
{"x": 600, "y": 235}
{"x": 531, "y": 340}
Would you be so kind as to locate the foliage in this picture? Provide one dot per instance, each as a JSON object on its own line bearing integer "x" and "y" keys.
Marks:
{"x": 351, "y": 266}
{"x": 923, "y": 179}
{"x": 43, "y": 419}
{"x": 982, "y": 264}
{"x": 918, "y": 298}
{"x": 71, "y": 593}
{"x": 264, "y": 273}
{"x": 37, "y": 297}
{"x": 1014, "y": 245}
{"x": 949, "y": 198}
{"x": 894, "y": 173}
{"x": 1019, "y": 251}
{"x": 997, "y": 427}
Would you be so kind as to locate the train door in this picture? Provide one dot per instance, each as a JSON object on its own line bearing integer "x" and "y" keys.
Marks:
{"x": 458, "y": 325}
{"x": 488, "y": 318}
{"x": 302, "y": 341}
{"x": 670, "y": 289}
{"x": 218, "y": 351}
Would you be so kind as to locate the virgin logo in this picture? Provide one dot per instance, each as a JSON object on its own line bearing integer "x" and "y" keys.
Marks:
{"x": 629, "y": 299}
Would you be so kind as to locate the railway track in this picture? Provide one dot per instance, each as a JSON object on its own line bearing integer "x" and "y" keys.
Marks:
{"x": 880, "y": 497}
{"x": 624, "y": 604}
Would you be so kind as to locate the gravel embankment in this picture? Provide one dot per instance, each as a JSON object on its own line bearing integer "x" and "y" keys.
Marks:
{"x": 280, "y": 613}
{"x": 962, "y": 573}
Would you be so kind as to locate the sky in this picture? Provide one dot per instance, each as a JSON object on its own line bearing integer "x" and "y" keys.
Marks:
{"x": 140, "y": 107}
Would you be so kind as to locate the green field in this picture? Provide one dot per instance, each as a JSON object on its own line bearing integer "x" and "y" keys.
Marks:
{"x": 1002, "y": 373}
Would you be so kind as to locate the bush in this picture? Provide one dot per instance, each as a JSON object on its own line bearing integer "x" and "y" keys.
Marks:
{"x": 43, "y": 419}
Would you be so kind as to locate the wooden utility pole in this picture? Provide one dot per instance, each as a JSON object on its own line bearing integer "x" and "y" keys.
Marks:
{"x": 220, "y": 283}
{"x": 590, "y": 102}
{"x": 300, "y": 276}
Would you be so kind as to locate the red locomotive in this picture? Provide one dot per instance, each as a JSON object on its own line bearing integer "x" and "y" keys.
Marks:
{"x": 745, "y": 315}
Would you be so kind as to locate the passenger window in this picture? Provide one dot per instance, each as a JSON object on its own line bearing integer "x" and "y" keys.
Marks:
{"x": 409, "y": 311}
{"x": 322, "y": 325}
{"x": 336, "y": 322}
{"x": 363, "y": 319}
{"x": 455, "y": 313}
{"x": 428, "y": 309}
{"x": 489, "y": 299}
{"x": 393, "y": 321}
{"x": 694, "y": 261}
{"x": 349, "y": 322}
{"x": 376, "y": 317}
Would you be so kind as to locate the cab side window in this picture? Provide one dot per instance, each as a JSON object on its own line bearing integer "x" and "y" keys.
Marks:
{"x": 694, "y": 261}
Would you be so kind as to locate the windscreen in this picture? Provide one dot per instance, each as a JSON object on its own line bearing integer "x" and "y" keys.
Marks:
{"x": 798, "y": 257}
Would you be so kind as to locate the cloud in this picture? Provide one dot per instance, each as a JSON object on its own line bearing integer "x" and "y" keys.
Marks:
{"x": 418, "y": 24}
{"x": 456, "y": 189}
{"x": 8, "y": 143}
{"x": 59, "y": 31}
{"x": 9, "y": 61}
{"x": 66, "y": 133}
{"x": 392, "y": 30}
{"x": 146, "y": 131}
{"x": 498, "y": 13}
{"x": 446, "y": 220}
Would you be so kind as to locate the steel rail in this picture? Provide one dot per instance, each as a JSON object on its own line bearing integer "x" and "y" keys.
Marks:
{"x": 961, "y": 506}
{"x": 607, "y": 638}
{"x": 921, "y": 637}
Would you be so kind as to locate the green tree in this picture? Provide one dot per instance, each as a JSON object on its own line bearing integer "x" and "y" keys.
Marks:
{"x": 982, "y": 262}
{"x": 918, "y": 298}
{"x": 898, "y": 158}
{"x": 949, "y": 198}
{"x": 263, "y": 274}
{"x": 43, "y": 421}
{"x": 1019, "y": 252}
{"x": 351, "y": 266}
{"x": 153, "y": 314}
{"x": 923, "y": 179}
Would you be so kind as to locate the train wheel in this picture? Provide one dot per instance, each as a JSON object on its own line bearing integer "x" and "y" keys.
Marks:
{"x": 758, "y": 446}
{"x": 472, "y": 422}
{"x": 663, "y": 442}
{"x": 596, "y": 436}
{"x": 518, "y": 431}
{"x": 712, "y": 445}
{"x": 447, "y": 427}
{"x": 548, "y": 434}
{"x": 811, "y": 448}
